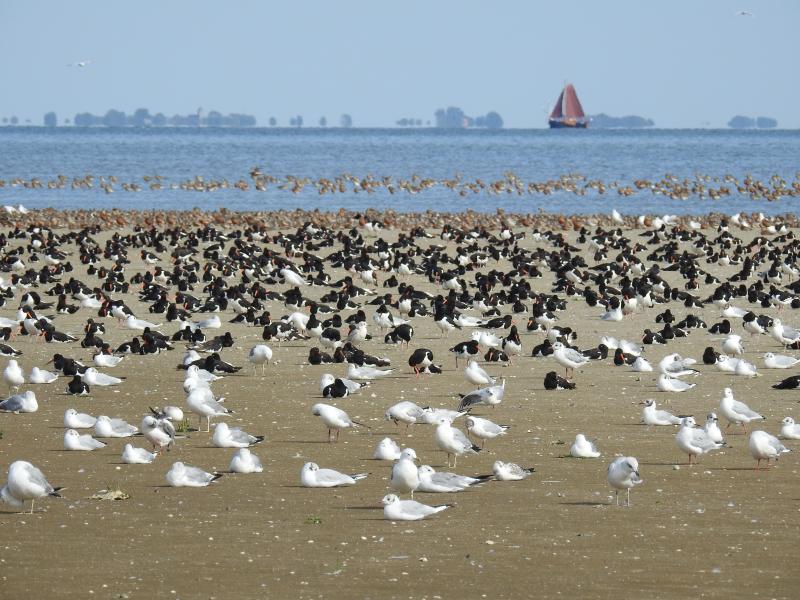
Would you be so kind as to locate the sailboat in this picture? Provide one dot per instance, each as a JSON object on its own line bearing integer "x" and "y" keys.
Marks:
{"x": 568, "y": 111}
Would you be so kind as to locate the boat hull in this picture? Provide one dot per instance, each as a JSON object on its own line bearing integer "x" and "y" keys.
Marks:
{"x": 567, "y": 125}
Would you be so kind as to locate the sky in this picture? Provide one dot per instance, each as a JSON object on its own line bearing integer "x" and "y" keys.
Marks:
{"x": 683, "y": 63}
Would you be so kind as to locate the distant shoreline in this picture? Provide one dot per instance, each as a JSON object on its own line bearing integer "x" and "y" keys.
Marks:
{"x": 407, "y": 130}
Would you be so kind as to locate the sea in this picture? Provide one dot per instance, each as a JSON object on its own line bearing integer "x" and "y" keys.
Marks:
{"x": 535, "y": 155}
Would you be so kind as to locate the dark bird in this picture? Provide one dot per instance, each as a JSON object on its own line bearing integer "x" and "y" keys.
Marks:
{"x": 552, "y": 381}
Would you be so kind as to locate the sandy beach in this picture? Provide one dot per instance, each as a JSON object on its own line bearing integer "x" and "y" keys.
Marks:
{"x": 715, "y": 530}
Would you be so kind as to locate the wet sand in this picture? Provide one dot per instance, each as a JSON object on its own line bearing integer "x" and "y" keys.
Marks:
{"x": 714, "y": 530}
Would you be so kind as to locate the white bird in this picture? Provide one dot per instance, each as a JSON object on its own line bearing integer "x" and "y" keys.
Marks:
{"x": 137, "y": 456}
{"x": 453, "y": 441}
{"x": 432, "y": 416}
{"x": 613, "y": 315}
{"x": 201, "y": 402}
{"x": 260, "y": 354}
{"x": 583, "y": 448}
{"x": 404, "y": 412}
{"x": 132, "y": 322}
{"x": 745, "y": 369}
{"x": 779, "y": 361}
{"x": 292, "y": 278}
{"x": 789, "y": 429}
{"x": 80, "y": 63}
{"x": 504, "y": 471}
{"x": 652, "y": 416}
{"x": 159, "y": 432}
{"x": 404, "y": 476}
{"x": 490, "y": 396}
{"x": 569, "y": 358}
{"x": 352, "y": 386}
{"x": 75, "y": 441}
{"x": 783, "y": 334}
{"x": 487, "y": 339}
{"x": 675, "y": 365}
{"x": 616, "y": 217}
{"x": 94, "y": 377}
{"x": 75, "y": 420}
{"x": 42, "y": 376}
{"x": 244, "y": 461}
{"x": 387, "y": 449}
{"x": 20, "y": 403}
{"x": 26, "y": 482}
{"x": 694, "y": 441}
{"x": 711, "y": 427}
{"x": 764, "y": 446}
{"x": 726, "y": 364}
{"x": 665, "y": 383}
{"x": 106, "y": 360}
{"x": 227, "y": 437}
{"x": 484, "y": 429}
{"x": 213, "y": 322}
{"x": 395, "y": 509}
{"x": 733, "y": 344}
{"x": 640, "y": 365}
{"x": 623, "y": 474}
{"x": 366, "y": 372}
{"x": 13, "y": 375}
{"x": 104, "y": 427}
{"x": 475, "y": 374}
{"x": 736, "y": 412}
{"x": 181, "y": 475}
{"x": 314, "y": 477}
{"x": 335, "y": 419}
{"x": 432, "y": 482}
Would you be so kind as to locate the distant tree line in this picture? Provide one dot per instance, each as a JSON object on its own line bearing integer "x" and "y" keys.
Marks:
{"x": 741, "y": 122}
{"x": 455, "y": 118}
{"x": 142, "y": 118}
{"x": 604, "y": 121}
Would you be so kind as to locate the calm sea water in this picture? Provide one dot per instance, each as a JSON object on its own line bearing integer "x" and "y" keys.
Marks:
{"x": 533, "y": 155}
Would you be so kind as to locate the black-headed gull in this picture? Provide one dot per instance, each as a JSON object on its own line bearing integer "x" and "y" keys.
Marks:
{"x": 181, "y": 475}
{"x": 244, "y": 461}
{"x": 695, "y": 441}
{"x": 489, "y": 396}
{"x": 652, "y": 416}
{"x": 504, "y": 471}
{"x": 779, "y": 361}
{"x": 484, "y": 429}
{"x": 312, "y": 476}
{"x": 735, "y": 412}
{"x": 623, "y": 474}
{"x": 453, "y": 441}
{"x": 395, "y": 509}
{"x": 583, "y": 448}
{"x": 75, "y": 441}
{"x": 232, "y": 437}
{"x": 335, "y": 419}
{"x": 764, "y": 446}
{"x": 568, "y": 358}
{"x": 26, "y": 482}
{"x": 404, "y": 412}
{"x": 404, "y": 476}
{"x": 260, "y": 354}
{"x": 387, "y": 449}
{"x": 20, "y": 403}
{"x": 105, "y": 427}
{"x": 475, "y": 374}
{"x": 431, "y": 481}
{"x": 137, "y": 456}
{"x": 13, "y": 375}
{"x": 201, "y": 401}
{"x": 789, "y": 429}
{"x": 75, "y": 420}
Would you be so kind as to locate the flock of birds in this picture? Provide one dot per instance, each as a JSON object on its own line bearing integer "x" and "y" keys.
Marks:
{"x": 671, "y": 186}
{"x": 231, "y": 275}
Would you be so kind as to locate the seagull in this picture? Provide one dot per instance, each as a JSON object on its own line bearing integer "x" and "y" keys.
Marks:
{"x": 13, "y": 375}
{"x": 675, "y": 365}
{"x": 737, "y": 412}
{"x": 453, "y": 441}
{"x": 201, "y": 402}
{"x": 260, "y": 354}
{"x": 484, "y": 429}
{"x": 244, "y": 461}
{"x": 490, "y": 396}
{"x": 568, "y": 358}
{"x": 733, "y": 344}
{"x": 366, "y": 372}
{"x": 314, "y": 477}
{"x": 137, "y": 456}
{"x": 334, "y": 419}
{"x": 42, "y": 376}
{"x": 20, "y": 403}
{"x": 80, "y": 63}
{"x": 745, "y": 369}
{"x": 711, "y": 427}
{"x": 159, "y": 432}
{"x": 404, "y": 476}
{"x": 181, "y": 475}
{"x": 744, "y": 13}
{"x": 510, "y": 471}
{"x": 94, "y": 377}
{"x": 695, "y": 441}
{"x": 26, "y": 482}
{"x": 475, "y": 374}
{"x": 764, "y": 446}
{"x": 75, "y": 441}
{"x": 132, "y": 322}
{"x": 665, "y": 383}
{"x": 387, "y": 449}
{"x": 623, "y": 474}
{"x": 433, "y": 482}
{"x": 779, "y": 361}
{"x": 395, "y": 509}
{"x": 105, "y": 427}
{"x": 583, "y": 448}
{"x": 652, "y": 416}
{"x": 75, "y": 420}
{"x": 789, "y": 429}
{"x": 226, "y": 437}
{"x": 404, "y": 412}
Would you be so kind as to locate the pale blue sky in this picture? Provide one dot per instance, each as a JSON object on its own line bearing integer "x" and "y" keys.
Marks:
{"x": 683, "y": 63}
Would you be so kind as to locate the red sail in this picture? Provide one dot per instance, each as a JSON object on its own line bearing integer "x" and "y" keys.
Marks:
{"x": 573, "y": 108}
{"x": 557, "y": 111}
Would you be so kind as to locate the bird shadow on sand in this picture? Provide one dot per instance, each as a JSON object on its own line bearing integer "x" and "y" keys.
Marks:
{"x": 302, "y": 442}
{"x": 584, "y": 503}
